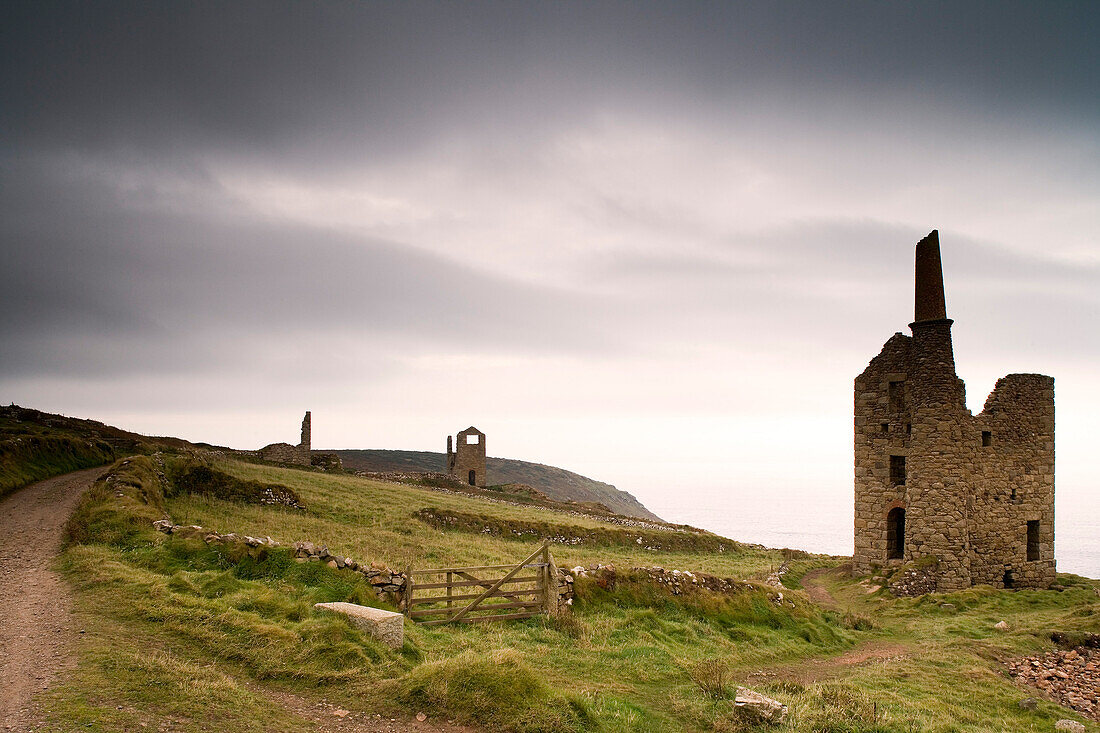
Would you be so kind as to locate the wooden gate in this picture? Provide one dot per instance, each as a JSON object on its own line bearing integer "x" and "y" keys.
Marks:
{"x": 440, "y": 596}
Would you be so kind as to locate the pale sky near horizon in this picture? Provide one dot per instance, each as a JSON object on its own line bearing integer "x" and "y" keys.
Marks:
{"x": 651, "y": 243}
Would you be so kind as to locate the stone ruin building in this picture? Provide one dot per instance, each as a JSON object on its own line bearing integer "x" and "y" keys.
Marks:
{"x": 298, "y": 455}
{"x": 967, "y": 499}
{"x": 466, "y": 460}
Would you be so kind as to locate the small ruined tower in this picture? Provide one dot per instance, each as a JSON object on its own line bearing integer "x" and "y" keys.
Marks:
{"x": 971, "y": 497}
{"x": 304, "y": 446}
{"x": 466, "y": 460}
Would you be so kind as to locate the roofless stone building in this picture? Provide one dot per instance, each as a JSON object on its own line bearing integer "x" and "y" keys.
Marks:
{"x": 298, "y": 455}
{"x": 971, "y": 496}
{"x": 466, "y": 459}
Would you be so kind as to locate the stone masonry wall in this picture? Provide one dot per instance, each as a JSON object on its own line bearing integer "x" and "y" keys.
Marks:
{"x": 1015, "y": 472}
{"x": 881, "y": 430}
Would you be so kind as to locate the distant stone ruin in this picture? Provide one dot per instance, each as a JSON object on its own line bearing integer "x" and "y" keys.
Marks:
{"x": 297, "y": 455}
{"x": 961, "y": 499}
{"x": 466, "y": 460}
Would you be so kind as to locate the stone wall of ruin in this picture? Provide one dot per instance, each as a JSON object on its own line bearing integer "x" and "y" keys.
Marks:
{"x": 1013, "y": 441}
{"x": 284, "y": 453}
{"x": 972, "y": 483}
{"x": 881, "y": 430}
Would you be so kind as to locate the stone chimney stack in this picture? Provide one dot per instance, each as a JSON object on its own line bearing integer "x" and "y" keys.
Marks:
{"x": 929, "y": 301}
{"x": 932, "y": 378}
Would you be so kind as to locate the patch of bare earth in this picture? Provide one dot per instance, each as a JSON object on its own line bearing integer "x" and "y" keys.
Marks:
{"x": 816, "y": 670}
{"x": 36, "y": 630}
{"x": 812, "y": 584}
{"x": 329, "y": 718}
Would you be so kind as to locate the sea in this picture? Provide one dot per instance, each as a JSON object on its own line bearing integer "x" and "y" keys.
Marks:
{"x": 820, "y": 524}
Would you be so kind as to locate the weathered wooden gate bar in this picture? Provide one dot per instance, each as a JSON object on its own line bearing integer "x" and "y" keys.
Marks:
{"x": 526, "y": 602}
{"x": 511, "y": 574}
{"x": 482, "y": 583}
{"x": 471, "y": 596}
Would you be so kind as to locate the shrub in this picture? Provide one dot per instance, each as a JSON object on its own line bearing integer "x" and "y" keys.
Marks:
{"x": 710, "y": 676}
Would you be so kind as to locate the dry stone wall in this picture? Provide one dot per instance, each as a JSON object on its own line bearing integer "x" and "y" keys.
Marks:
{"x": 388, "y": 584}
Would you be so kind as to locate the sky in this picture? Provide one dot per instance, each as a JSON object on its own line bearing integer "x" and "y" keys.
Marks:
{"x": 649, "y": 242}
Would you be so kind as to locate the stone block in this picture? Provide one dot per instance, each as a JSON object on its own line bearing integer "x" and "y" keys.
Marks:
{"x": 386, "y": 626}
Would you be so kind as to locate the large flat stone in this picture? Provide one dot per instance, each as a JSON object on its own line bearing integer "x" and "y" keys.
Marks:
{"x": 386, "y": 626}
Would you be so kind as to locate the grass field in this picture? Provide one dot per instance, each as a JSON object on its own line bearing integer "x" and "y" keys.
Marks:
{"x": 184, "y": 636}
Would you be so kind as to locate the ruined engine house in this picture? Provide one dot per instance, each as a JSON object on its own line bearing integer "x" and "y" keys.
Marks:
{"x": 970, "y": 498}
{"x": 466, "y": 458}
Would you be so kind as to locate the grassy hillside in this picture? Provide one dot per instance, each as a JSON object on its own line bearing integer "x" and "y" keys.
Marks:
{"x": 35, "y": 445}
{"x": 557, "y": 483}
{"x": 187, "y": 636}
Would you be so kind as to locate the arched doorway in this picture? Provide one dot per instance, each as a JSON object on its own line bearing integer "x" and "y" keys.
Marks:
{"x": 473, "y": 478}
{"x": 895, "y": 534}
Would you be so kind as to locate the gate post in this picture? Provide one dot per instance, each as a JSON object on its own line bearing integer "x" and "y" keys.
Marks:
{"x": 550, "y": 605}
{"x": 408, "y": 589}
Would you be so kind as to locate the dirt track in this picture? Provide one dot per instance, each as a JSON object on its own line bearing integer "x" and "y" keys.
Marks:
{"x": 35, "y": 623}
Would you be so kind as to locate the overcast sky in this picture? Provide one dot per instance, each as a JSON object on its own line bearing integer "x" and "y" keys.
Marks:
{"x": 653, "y": 243}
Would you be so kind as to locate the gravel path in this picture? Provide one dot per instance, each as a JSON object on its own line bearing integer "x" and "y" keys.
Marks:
{"x": 35, "y": 623}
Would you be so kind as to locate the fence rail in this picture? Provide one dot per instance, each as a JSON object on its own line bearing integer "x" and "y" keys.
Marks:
{"x": 499, "y": 591}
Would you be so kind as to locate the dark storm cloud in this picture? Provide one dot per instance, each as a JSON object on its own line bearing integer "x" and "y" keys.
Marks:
{"x": 363, "y": 77}
{"x": 164, "y": 88}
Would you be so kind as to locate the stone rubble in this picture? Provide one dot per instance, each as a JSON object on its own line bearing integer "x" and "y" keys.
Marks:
{"x": 911, "y": 581}
{"x": 1070, "y": 678}
{"x": 775, "y": 578}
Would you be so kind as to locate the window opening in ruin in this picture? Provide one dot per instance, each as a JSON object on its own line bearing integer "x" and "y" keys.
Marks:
{"x": 908, "y": 428}
{"x": 885, "y": 427}
{"x": 1013, "y": 491}
{"x": 897, "y": 396}
{"x": 987, "y": 438}
{"x": 1033, "y": 539}
{"x": 1008, "y": 580}
{"x": 895, "y": 534}
{"x": 473, "y": 478}
{"x": 897, "y": 470}
{"x": 473, "y": 439}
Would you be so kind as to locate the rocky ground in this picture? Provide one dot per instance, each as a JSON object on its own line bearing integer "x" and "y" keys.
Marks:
{"x": 36, "y": 633}
{"x": 1070, "y": 678}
